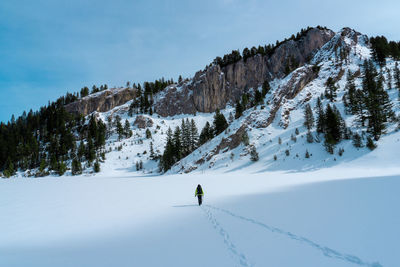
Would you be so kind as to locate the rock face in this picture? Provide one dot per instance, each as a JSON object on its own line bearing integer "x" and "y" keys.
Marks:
{"x": 215, "y": 87}
{"x": 142, "y": 122}
{"x": 102, "y": 101}
{"x": 175, "y": 99}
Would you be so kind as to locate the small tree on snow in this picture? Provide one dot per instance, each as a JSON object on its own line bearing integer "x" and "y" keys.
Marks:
{"x": 253, "y": 154}
{"x": 308, "y": 117}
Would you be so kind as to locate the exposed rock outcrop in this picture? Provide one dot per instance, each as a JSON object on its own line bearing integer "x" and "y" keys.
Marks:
{"x": 176, "y": 99}
{"x": 215, "y": 87}
{"x": 101, "y": 101}
{"x": 143, "y": 122}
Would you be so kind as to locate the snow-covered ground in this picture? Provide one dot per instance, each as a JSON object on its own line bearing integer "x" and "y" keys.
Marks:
{"x": 345, "y": 215}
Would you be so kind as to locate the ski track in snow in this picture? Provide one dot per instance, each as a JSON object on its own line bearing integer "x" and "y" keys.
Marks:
{"x": 243, "y": 261}
{"x": 328, "y": 252}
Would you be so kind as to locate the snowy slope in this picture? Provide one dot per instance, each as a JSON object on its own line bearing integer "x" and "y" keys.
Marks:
{"x": 338, "y": 216}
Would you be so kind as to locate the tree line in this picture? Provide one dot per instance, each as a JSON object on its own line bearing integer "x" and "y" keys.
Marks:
{"x": 266, "y": 50}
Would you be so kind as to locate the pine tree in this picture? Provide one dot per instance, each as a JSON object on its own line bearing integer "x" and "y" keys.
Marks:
{"x": 152, "y": 155}
{"x": 377, "y": 102}
{"x": 310, "y": 138}
{"x": 9, "y": 170}
{"x": 76, "y": 167}
{"x": 253, "y": 154}
{"x": 370, "y": 143}
{"x": 90, "y": 151}
{"x": 96, "y": 166}
{"x": 177, "y": 144}
{"x": 148, "y": 134}
{"x": 245, "y": 101}
{"x": 320, "y": 117}
{"x": 332, "y": 129}
{"x": 220, "y": 123}
{"x": 81, "y": 150}
{"x": 265, "y": 88}
{"x": 357, "y": 142}
{"x": 206, "y": 133}
{"x": 238, "y": 110}
{"x": 194, "y": 135}
{"x": 185, "y": 130}
{"x": 258, "y": 97}
{"x": 120, "y": 130}
{"x": 167, "y": 159}
{"x": 308, "y": 117}
{"x": 330, "y": 91}
{"x": 389, "y": 79}
{"x": 127, "y": 129}
{"x": 62, "y": 168}
{"x": 137, "y": 166}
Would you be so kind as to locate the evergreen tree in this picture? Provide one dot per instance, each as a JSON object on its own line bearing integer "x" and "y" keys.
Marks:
{"x": 238, "y": 110}
{"x": 357, "y": 142}
{"x": 320, "y": 117}
{"x": 62, "y": 168}
{"x": 265, "y": 88}
{"x": 167, "y": 159}
{"x": 370, "y": 143}
{"x": 194, "y": 135}
{"x": 127, "y": 129}
{"x": 206, "y": 133}
{"x": 120, "y": 130}
{"x": 76, "y": 167}
{"x": 152, "y": 155}
{"x": 308, "y": 117}
{"x": 81, "y": 150}
{"x": 389, "y": 79}
{"x": 9, "y": 170}
{"x": 96, "y": 166}
{"x": 332, "y": 129}
{"x": 330, "y": 91}
{"x": 258, "y": 97}
{"x": 310, "y": 138}
{"x": 185, "y": 131}
{"x": 90, "y": 151}
{"x": 177, "y": 144}
{"x": 253, "y": 154}
{"x": 379, "y": 108}
{"x": 220, "y": 123}
{"x": 245, "y": 101}
{"x": 148, "y": 133}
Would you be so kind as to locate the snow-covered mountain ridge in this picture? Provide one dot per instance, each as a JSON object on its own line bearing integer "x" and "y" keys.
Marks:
{"x": 274, "y": 128}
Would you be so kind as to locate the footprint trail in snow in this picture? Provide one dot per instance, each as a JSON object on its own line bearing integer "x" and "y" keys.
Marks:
{"x": 328, "y": 252}
{"x": 237, "y": 255}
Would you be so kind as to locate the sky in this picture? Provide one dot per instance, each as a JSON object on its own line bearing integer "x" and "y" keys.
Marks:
{"x": 49, "y": 47}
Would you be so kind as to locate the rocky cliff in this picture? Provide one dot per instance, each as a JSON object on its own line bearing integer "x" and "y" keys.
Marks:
{"x": 101, "y": 101}
{"x": 214, "y": 87}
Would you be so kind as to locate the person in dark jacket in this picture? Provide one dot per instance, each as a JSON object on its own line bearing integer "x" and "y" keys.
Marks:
{"x": 199, "y": 194}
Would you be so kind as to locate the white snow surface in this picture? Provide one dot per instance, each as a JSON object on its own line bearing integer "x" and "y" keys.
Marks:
{"x": 343, "y": 215}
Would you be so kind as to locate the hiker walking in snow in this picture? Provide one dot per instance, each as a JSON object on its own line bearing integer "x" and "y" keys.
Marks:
{"x": 199, "y": 194}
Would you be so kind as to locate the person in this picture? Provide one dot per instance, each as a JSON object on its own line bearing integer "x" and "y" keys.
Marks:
{"x": 199, "y": 194}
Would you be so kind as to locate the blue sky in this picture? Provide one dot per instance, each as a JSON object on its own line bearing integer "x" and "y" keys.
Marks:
{"x": 49, "y": 47}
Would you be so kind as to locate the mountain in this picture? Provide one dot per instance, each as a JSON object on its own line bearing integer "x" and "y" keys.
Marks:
{"x": 262, "y": 93}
